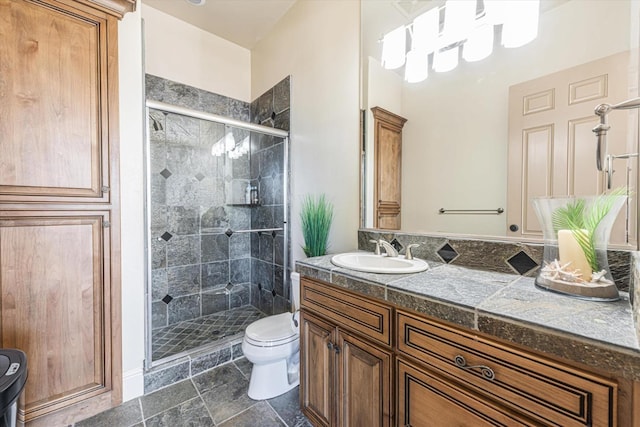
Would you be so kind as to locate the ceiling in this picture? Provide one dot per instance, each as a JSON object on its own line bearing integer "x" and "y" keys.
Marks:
{"x": 243, "y": 22}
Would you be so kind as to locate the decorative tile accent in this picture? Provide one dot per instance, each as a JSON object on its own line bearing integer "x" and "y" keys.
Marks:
{"x": 447, "y": 253}
{"x": 199, "y": 176}
{"x": 396, "y": 245}
{"x": 166, "y": 236}
{"x": 522, "y": 263}
{"x": 166, "y": 173}
{"x": 229, "y": 232}
{"x": 167, "y": 299}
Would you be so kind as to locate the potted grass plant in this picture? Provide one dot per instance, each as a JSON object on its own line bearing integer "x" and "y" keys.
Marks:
{"x": 316, "y": 216}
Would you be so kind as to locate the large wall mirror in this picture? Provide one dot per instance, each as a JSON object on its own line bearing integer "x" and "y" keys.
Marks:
{"x": 455, "y": 149}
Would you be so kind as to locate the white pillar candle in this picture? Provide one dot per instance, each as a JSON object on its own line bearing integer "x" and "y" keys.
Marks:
{"x": 570, "y": 251}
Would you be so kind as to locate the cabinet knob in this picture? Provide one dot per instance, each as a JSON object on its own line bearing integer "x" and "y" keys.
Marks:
{"x": 514, "y": 227}
{"x": 337, "y": 349}
{"x": 330, "y": 345}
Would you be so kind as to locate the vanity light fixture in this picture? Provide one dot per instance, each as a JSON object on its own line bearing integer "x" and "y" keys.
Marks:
{"x": 440, "y": 32}
{"x": 227, "y": 144}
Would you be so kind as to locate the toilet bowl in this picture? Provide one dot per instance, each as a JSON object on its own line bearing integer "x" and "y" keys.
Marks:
{"x": 272, "y": 344}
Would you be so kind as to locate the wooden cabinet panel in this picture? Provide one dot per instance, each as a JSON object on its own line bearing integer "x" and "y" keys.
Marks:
{"x": 544, "y": 390}
{"x": 387, "y": 190}
{"x": 361, "y": 314}
{"x": 59, "y": 267}
{"x": 365, "y": 378}
{"x": 53, "y": 103}
{"x": 317, "y": 381}
{"x": 426, "y": 399}
{"x": 346, "y": 380}
{"x": 52, "y": 289}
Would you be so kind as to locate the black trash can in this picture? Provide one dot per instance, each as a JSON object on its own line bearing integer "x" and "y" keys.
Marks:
{"x": 13, "y": 375}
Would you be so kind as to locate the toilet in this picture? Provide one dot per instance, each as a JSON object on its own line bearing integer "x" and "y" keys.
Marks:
{"x": 272, "y": 344}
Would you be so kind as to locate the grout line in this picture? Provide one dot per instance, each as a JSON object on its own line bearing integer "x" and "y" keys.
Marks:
{"x": 276, "y": 412}
{"x": 203, "y": 402}
{"x": 241, "y": 412}
{"x": 141, "y": 412}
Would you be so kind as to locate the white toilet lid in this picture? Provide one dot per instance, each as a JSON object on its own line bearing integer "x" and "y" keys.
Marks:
{"x": 274, "y": 330}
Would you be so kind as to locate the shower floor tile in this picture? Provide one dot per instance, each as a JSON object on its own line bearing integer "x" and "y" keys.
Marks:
{"x": 194, "y": 333}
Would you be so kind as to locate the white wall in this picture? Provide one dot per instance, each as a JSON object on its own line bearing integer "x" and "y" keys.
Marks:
{"x": 317, "y": 43}
{"x": 184, "y": 53}
{"x": 132, "y": 200}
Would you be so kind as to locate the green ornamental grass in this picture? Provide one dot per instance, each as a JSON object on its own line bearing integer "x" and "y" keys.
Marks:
{"x": 583, "y": 222}
{"x": 316, "y": 216}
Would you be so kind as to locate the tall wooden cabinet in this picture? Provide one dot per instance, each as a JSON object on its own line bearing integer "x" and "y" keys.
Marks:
{"x": 59, "y": 203}
{"x": 387, "y": 189}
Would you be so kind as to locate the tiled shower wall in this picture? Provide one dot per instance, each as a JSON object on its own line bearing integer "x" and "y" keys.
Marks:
{"x": 198, "y": 266}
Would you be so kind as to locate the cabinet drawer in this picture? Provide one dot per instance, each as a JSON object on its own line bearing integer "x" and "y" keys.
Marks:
{"x": 360, "y": 314}
{"x": 427, "y": 399}
{"x": 545, "y": 390}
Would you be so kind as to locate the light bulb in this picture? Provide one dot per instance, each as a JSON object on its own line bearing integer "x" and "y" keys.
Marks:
{"x": 521, "y": 26}
{"x": 417, "y": 67}
{"x": 393, "y": 48}
{"x": 445, "y": 60}
{"x": 479, "y": 45}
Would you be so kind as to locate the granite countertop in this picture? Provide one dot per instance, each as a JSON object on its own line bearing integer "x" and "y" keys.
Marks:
{"x": 509, "y": 307}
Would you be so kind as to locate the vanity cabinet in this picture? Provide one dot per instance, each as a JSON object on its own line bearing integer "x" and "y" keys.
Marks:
{"x": 346, "y": 376}
{"x": 59, "y": 204}
{"x": 370, "y": 363}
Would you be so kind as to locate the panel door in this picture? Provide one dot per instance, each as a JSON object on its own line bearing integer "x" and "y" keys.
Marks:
{"x": 365, "y": 383}
{"x": 55, "y": 294}
{"x": 552, "y": 150}
{"x": 388, "y": 169}
{"x": 54, "y": 130}
{"x": 317, "y": 376}
{"x": 425, "y": 399}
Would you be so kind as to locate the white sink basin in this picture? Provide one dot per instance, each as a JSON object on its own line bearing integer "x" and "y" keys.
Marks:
{"x": 371, "y": 263}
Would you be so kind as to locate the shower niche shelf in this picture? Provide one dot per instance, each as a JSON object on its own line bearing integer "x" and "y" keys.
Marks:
{"x": 244, "y": 205}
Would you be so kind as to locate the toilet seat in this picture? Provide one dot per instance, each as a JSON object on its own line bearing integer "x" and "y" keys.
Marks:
{"x": 271, "y": 331}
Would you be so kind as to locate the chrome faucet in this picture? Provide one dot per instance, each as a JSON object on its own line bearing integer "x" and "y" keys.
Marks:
{"x": 408, "y": 254}
{"x": 388, "y": 247}
{"x": 377, "y": 250}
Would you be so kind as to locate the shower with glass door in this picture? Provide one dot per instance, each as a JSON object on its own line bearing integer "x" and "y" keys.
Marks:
{"x": 217, "y": 207}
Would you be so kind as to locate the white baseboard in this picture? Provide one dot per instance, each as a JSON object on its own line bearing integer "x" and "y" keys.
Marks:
{"x": 132, "y": 384}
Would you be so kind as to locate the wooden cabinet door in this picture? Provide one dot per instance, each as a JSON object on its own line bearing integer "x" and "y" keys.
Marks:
{"x": 55, "y": 306}
{"x": 53, "y": 102}
{"x": 425, "y": 399}
{"x": 388, "y": 169}
{"x": 318, "y": 378}
{"x": 364, "y": 378}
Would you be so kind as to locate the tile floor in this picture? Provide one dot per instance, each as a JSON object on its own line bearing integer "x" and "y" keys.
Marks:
{"x": 187, "y": 335}
{"x": 217, "y": 397}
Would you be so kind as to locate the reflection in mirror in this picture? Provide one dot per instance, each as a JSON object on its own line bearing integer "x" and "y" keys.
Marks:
{"x": 492, "y": 134}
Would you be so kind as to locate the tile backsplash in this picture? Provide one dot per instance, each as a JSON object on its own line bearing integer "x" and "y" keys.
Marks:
{"x": 498, "y": 256}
